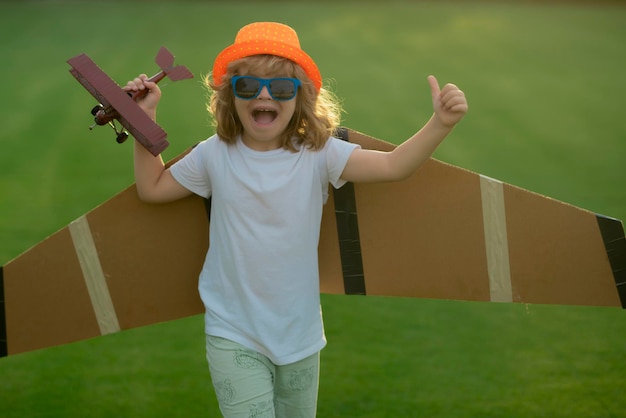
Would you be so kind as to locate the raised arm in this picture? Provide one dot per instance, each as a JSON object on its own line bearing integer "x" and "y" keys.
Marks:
{"x": 154, "y": 182}
{"x": 449, "y": 106}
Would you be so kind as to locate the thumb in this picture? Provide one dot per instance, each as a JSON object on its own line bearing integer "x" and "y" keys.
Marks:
{"x": 434, "y": 86}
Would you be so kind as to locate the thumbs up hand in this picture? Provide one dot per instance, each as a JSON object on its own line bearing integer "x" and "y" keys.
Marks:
{"x": 449, "y": 103}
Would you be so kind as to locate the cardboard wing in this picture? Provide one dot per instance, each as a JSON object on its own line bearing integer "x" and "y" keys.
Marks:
{"x": 445, "y": 232}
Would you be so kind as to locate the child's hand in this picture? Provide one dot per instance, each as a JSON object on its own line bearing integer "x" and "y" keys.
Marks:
{"x": 449, "y": 103}
{"x": 147, "y": 93}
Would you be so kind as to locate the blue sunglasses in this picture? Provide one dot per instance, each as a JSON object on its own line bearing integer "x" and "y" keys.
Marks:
{"x": 247, "y": 87}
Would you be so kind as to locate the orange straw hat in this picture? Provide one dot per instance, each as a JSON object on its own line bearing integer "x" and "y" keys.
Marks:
{"x": 266, "y": 38}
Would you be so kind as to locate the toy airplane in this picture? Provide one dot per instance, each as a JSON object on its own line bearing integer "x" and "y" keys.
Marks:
{"x": 116, "y": 104}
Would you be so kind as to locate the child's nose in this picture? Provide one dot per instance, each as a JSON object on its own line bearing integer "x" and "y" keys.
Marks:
{"x": 265, "y": 93}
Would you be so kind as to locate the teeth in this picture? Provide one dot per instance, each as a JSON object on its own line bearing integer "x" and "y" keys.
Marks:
{"x": 255, "y": 111}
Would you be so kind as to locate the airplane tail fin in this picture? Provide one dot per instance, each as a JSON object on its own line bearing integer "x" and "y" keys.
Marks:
{"x": 165, "y": 60}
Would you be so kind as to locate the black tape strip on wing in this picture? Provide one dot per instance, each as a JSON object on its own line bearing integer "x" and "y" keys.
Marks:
{"x": 615, "y": 243}
{"x": 348, "y": 232}
{"x": 3, "y": 318}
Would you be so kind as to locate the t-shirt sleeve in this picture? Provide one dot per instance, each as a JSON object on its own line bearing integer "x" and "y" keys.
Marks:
{"x": 191, "y": 171}
{"x": 337, "y": 154}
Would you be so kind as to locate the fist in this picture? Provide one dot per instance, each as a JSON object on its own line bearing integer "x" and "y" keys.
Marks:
{"x": 146, "y": 93}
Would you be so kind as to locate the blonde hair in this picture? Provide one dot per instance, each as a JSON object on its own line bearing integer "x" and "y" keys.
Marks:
{"x": 316, "y": 116}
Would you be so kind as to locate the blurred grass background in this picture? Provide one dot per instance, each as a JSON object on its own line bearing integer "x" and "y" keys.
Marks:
{"x": 545, "y": 85}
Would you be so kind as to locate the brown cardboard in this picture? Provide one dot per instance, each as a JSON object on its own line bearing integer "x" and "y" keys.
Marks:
{"x": 421, "y": 237}
{"x": 45, "y": 297}
{"x": 556, "y": 252}
{"x": 151, "y": 265}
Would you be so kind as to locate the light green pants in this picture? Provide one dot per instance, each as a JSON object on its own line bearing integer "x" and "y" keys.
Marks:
{"x": 249, "y": 385}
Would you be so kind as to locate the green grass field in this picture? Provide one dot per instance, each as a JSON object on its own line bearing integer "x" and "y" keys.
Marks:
{"x": 545, "y": 85}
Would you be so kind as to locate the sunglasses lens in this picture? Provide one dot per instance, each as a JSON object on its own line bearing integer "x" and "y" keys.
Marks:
{"x": 247, "y": 87}
{"x": 282, "y": 89}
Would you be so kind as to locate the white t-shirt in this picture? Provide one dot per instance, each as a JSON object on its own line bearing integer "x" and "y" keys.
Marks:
{"x": 260, "y": 279}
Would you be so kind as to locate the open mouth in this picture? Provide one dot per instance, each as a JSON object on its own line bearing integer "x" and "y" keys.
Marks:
{"x": 264, "y": 116}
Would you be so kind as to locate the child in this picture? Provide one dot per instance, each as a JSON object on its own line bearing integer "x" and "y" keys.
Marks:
{"x": 267, "y": 170}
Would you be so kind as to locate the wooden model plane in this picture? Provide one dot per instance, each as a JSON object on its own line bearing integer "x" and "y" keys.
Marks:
{"x": 116, "y": 104}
